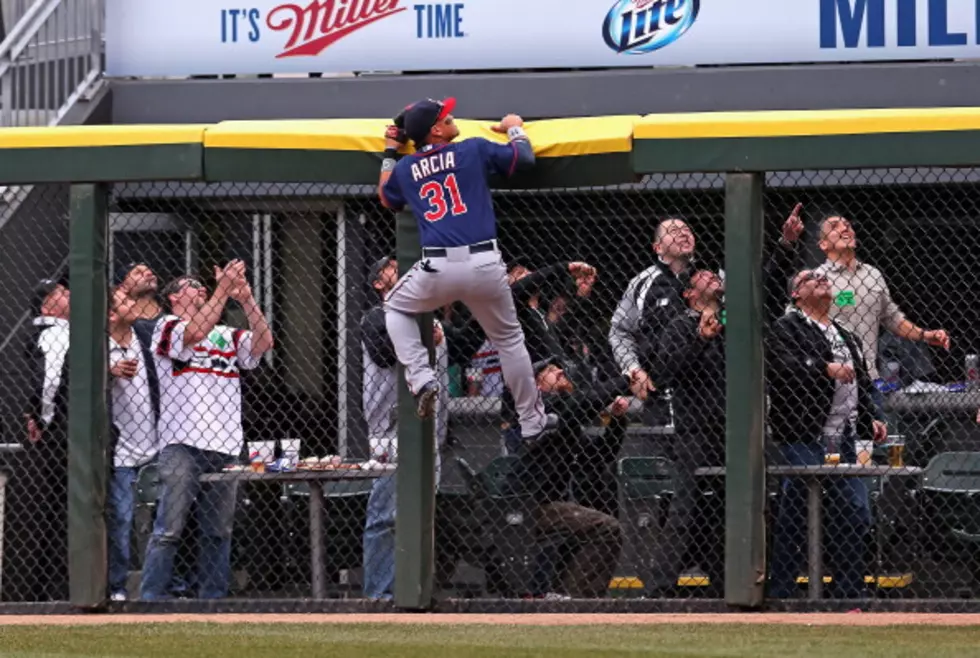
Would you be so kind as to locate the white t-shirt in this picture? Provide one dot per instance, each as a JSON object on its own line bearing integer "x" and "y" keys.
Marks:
{"x": 488, "y": 362}
{"x": 380, "y": 399}
{"x": 200, "y": 388}
{"x": 132, "y": 408}
{"x": 53, "y": 343}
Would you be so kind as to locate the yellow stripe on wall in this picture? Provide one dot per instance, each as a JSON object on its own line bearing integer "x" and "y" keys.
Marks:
{"x": 800, "y": 123}
{"x": 550, "y": 139}
{"x": 81, "y": 136}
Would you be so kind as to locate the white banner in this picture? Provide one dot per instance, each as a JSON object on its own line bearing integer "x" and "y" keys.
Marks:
{"x": 188, "y": 37}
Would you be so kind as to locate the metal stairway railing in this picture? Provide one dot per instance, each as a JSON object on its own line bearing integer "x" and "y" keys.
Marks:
{"x": 49, "y": 59}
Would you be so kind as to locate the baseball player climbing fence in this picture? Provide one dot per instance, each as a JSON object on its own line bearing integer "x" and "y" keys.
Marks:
{"x": 577, "y": 383}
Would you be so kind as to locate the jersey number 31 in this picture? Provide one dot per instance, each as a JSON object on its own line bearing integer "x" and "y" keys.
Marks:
{"x": 435, "y": 193}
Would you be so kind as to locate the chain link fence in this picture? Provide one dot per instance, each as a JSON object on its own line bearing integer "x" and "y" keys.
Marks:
{"x": 253, "y": 393}
{"x": 873, "y": 368}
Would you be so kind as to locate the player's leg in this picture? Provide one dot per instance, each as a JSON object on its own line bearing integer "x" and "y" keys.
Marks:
{"x": 418, "y": 291}
{"x": 490, "y": 300}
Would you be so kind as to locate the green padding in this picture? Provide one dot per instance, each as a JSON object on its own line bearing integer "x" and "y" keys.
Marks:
{"x": 576, "y": 171}
{"x": 88, "y": 430}
{"x": 361, "y": 168}
{"x": 291, "y": 166}
{"x": 91, "y": 164}
{"x": 951, "y": 149}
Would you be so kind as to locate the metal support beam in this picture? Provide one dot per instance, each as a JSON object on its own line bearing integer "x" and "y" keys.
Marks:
{"x": 416, "y": 488}
{"x": 745, "y": 483}
{"x": 88, "y": 430}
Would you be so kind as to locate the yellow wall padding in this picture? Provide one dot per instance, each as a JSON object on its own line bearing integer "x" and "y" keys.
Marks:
{"x": 799, "y": 123}
{"x": 81, "y": 136}
{"x": 552, "y": 138}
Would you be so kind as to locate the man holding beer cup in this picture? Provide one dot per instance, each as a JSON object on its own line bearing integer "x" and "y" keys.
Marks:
{"x": 820, "y": 397}
{"x": 134, "y": 431}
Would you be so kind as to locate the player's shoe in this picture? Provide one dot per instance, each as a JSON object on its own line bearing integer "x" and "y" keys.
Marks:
{"x": 425, "y": 400}
{"x": 550, "y": 424}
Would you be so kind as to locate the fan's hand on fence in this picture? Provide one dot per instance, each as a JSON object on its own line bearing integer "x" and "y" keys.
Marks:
{"x": 579, "y": 269}
{"x": 841, "y": 372}
{"x": 33, "y": 430}
{"x": 937, "y": 338}
{"x": 793, "y": 226}
{"x": 640, "y": 383}
{"x": 584, "y": 284}
{"x": 619, "y": 407}
{"x": 880, "y": 432}
{"x": 709, "y": 326}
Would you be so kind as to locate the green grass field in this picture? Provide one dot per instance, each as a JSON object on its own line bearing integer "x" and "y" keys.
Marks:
{"x": 476, "y": 641}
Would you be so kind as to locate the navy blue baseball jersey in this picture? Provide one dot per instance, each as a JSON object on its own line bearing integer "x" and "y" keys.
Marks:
{"x": 447, "y": 188}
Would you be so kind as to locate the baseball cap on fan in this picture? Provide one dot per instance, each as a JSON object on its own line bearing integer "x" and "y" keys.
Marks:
{"x": 422, "y": 116}
{"x": 40, "y": 294}
{"x": 377, "y": 266}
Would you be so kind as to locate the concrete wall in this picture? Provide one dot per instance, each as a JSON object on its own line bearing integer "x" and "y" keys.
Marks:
{"x": 534, "y": 95}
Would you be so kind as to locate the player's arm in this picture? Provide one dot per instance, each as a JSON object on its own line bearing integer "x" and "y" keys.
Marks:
{"x": 517, "y": 154}
{"x": 388, "y": 190}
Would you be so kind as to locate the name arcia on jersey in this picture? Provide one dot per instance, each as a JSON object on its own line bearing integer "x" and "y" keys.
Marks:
{"x": 433, "y": 164}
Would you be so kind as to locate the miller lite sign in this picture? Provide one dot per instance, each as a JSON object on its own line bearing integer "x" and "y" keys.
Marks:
{"x": 299, "y": 37}
{"x": 311, "y": 29}
{"x": 636, "y": 27}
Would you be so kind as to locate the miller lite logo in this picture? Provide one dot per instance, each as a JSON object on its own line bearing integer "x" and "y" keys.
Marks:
{"x": 636, "y": 27}
{"x": 316, "y": 26}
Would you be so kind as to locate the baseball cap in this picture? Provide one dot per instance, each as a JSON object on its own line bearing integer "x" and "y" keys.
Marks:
{"x": 122, "y": 273}
{"x": 41, "y": 291}
{"x": 539, "y": 366}
{"x": 377, "y": 266}
{"x": 420, "y": 117}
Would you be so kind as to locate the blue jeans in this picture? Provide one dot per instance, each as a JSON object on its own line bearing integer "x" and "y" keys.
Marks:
{"x": 181, "y": 467}
{"x": 379, "y": 540}
{"x": 122, "y": 501}
{"x": 848, "y": 515}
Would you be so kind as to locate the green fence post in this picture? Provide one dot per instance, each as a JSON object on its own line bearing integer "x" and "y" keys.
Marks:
{"x": 88, "y": 434}
{"x": 745, "y": 483}
{"x": 416, "y": 487}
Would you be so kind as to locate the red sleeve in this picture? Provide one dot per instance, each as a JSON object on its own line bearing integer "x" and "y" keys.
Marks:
{"x": 166, "y": 337}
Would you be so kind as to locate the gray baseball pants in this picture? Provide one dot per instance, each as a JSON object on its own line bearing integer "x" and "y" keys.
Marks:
{"x": 479, "y": 281}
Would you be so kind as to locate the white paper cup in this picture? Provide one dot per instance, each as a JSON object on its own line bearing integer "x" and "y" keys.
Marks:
{"x": 290, "y": 448}
{"x": 264, "y": 451}
{"x": 290, "y": 452}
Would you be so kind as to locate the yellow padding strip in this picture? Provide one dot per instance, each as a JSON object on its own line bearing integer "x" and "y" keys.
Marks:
{"x": 551, "y": 139}
{"x": 80, "y": 136}
{"x": 798, "y": 123}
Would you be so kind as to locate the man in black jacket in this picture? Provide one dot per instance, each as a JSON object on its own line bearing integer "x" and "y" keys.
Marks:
{"x": 820, "y": 398}
{"x": 691, "y": 357}
{"x": 47, "y": 432}
{"x": 584, "y": 542}
{"x": 531, "y": 289}
{"x": 654, "y": 297}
